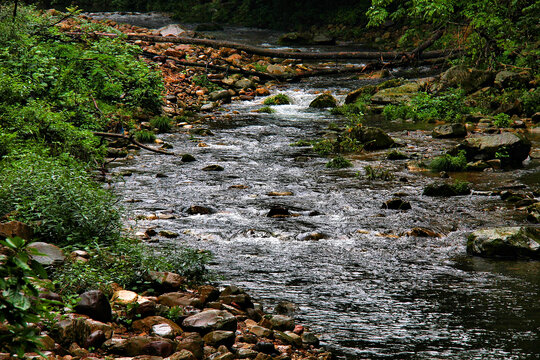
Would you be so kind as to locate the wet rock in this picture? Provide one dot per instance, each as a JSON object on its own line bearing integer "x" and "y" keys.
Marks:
{"x": 310, "y": 339}
{"x": 244, "y": 84}
{"x": 242, "y": 301}
{"x": 446, "y": 190}
{"x": 219, "y": 337}
{"x": 208, "y": 293}
{"x": 275, "y": 69}
{"x": 199, "y": 210}
{"x": 16, "y": 228}
{"x": 422, "y": 232}
{"x": 324, "y": 101}
{"x": 188, "y": 158}
{"x": 165, "y": 281}
{"x": 213, "y": 168}
{"x": 477, "y": 166}
{"x": 165, "y": 327}
{"x": 210, "y": 320}
{"x": 171, "y": 30}
{"x": 208, "y": 107}
{"x": 246, "y": 354}
{"x": 295, "y": 38}
{"x": 278, "y": 211}
{"x": 396, "y": 95}
{"x": 533, "y": 213}
{"x": 261, "y": 331}
{"x": 280, "y": 193}
{"x": 286, "y": 339}
{"x": 508, "y": 242}
{"x": 469, "y": 80}
{"x": 323, "y": 39}
{"x": 311, "y": 236}
{"x": 191, "y": 342}
{"x": 180, "y": 299}
{"x": 373, "y": 138}
{"x": 396, "y": 204}
{"x": 161, "y": 175}
{"x": 94, "y": 304}
{"x": 182, "y": 355}
{"x": 449, "y": 131}
{"x": 137, "y": 345}
{"x": 353, "y": 96}
{"x": 265, "y": 347}
{"x": 281, "y": 323}
{"x": 285, "y": 308}
{"x": 78, "y": 329}
{"x": 223, "y": 95}
{"x": 125, "y": 297}
{"x": 47, "y": 254}
{"x": 161, "y": 348}
{"x": 95, "y": 340}
{"x": 510, "y": 148}
{"x": 168, "y": 234}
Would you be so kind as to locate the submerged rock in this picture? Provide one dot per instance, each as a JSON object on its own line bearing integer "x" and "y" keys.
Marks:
{"x": 396, "y": 204}
{"x": 324, "y": 101}
{"x": 510, "y": 242}
{"x": 447, "y": 190}
{"x": 449, "y": 131}
{"x": 373, "y": 138}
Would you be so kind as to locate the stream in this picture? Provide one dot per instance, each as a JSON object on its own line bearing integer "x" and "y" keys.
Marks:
{"x": 370, "y": 290}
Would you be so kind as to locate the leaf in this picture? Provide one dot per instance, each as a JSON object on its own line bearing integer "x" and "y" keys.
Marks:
{"x": 18, "y": 300}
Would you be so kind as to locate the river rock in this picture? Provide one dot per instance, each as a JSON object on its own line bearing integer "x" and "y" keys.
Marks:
{"x": 469, "y": 80}
{"x": 396, "y": 95}
{"x": 533, "y": 213}
{"x": 373, "y": 138}
{"x": 324, "y": 101}
{"x": 223, "y": 95}
{"x": 95, "y": 340}
{"x": 275, "y": 69}
{"x": 310, "y": 339}
{"x": 148, "y": 324}
{"x": 323, "y": 39}
{"x": 506, "y": 79}
{"x": 449, "y": 131}
{"x": 213, "y": 168}
{"x": 278, "y": 211}
{"x": 396, "y": 204}
{"x": 265, "y": 347}
{"x": 188, "y": 158}
{"x": 353, "y": 96}
{"x": 16, "y": 228}
{"x": 199, "y": 210}
{"x": 261, "y": 331}
{"x": 165, "y": 281}
{"x": 124, "y": 297}
{"x": 139, "y": 345}
{"x": 219, "y": 337}
{"x": 508, "y": 242}
{"x": 180, "y": 299}
{"x": 94, "y": 304}
{"x": 47, "y": 254}
{"x": 78, "y": 329}
{"x": 244, "y": 84}
{"x": 210, "y": 320}
{"x": 182, "y": 355}
{"x": 446, "y": 190}
{"x": 171, "y": 30}
{"x": 510, "y": 148}
{"x": 295, "y": 38}
{"x": 281, "y": 323}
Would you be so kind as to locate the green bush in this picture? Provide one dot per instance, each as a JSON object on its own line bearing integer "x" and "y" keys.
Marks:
{"x": 57, "y": 197}
{"x": 145, "y": 136}
{"x": 372, "y": 173}
{"x": 279, "y": 99}
{"x": 501, "y": 120}
{"x": 266, "y": 110}
{"x": 448, "y": 162}
{"x": 339, "y": 162}
{"x": 162, "y": 123}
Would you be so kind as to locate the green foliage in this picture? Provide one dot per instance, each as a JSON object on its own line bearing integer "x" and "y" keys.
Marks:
{"x": 259, "y": 67}
{"x": 501, "y": 120}
{"x": 162, "y": 123}
{"x": 448, "y": 162}
{"x": 339, "y": 162}
{"x": 145, "y": 136}
{"x": 20, "y": 305}
{"x": 279, "y": 99}
{"x": 324, "y": 147}
{"x": 372, "y": 173}
{"x": 266, "y": 110}
{"x": 302, "y": 142}
{"x": 203, "y": 81}
{"x": 446, "y": 190}
{"x": 531, "y": 101}
{"x": 127, "y": 262}
{"x": 57, "y": 196}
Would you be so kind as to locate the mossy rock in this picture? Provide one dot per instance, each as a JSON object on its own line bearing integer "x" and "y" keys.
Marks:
{"x": 507, "y": 242}
{"x": 373, "y": 138}
{"x": 446, "y": 190}
{"x": 469, "y": 80}
{"x": 295, "y": 38}
{"x": 397, "y": 95}
{"x": 390, "y": 84}
{"x": 324, "y": 101}
{"x": 279, "y": 99}
{"x": 353, "y": 96}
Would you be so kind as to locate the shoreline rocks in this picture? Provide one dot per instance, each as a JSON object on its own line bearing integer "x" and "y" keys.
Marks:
{"x": 505, "y": 242}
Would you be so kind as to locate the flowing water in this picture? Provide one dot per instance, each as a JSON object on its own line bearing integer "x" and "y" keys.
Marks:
{"x": 368, "y": 289}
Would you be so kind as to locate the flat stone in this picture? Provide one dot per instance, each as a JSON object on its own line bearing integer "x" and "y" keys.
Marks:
{"x": 219, "y": 337}
{"x": 158, "y": 325}
{"x": 47, "y": 254}
{"x": 179, "y": 299}
{"x": 125, "y": 297}
{"x": 449, "y": 131}
{"x": 507, "y": 242}
{"x": 210, "y": 320}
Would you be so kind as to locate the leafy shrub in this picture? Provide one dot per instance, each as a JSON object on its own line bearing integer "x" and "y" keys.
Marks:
{"x": 20, "y": 305}
{"x": 145, "y": 136}
{"x": 339, "y": 162}
{"x": 448, "y": 162}
{"x": 203, "y": 81}
{"x": 501, "y": 120}
{"x": 279, "y": 99}
{"x": 162, "y": 123}
{"x": 266, "y": 110}
{"x": 57, "y": 196}
{"x": 372, "y": 173}
{"x": 259, "y": 67}
{"x": 531, "y": 101}
{"x": 324, "y": 147}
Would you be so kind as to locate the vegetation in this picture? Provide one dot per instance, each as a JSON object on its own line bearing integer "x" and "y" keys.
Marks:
{"x": 145, "y": 136}
{"x": 447, "y": 190}
{"x": 266, "y": 110}
{"x": 448, "y": 162}
{"x": 339, "y": 162}
{"x": 501, "y": 120}
{"x": 162, "y": 123}
{"x": 203, "y": 81}
{"x": 372, "y": 173}
{"x": 396, "y": 155}
{"x": 279, "y": 99}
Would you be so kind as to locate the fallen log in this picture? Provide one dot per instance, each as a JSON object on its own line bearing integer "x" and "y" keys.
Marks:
{"x": 340, "y": 55}
{"x": 132, "y": 140}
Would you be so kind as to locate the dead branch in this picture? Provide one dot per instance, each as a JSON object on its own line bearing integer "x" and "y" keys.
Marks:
{"x": 132, "y": 140}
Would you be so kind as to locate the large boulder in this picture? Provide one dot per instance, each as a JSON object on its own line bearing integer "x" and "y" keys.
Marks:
{"x": 16, "y": 228}
{"x": 469, "y": 80}
{"x": 510, "y": 148}
{"x": 505, "y": 79}
{"x": 210, "y": 320}
{"x": 95, "y": 304}
{"x": 79, "y": 329}
{"x": 396, "y": 95}
{"x": 353, "y": 96}
{"x": 47, "y": 254}
{"x": 373, "y": 138}
{"x": 508, "y": 242}
{"x": 191, "y": 342}
{"x": 324, "y": 101}
{"x": 157, "y": 325}
{"x": 449, "y": 131}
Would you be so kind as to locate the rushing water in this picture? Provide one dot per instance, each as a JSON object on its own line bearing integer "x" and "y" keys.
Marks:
{"x": 367, "y": 288}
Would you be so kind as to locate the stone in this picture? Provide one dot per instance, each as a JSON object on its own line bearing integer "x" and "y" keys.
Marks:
{"x": 246, "y": 354}
{"x": 79, "y": 329}
{"x": 278, "y": 211}
{"x": 219, "y": 337}
{"x": 124, "y": 297}
{"x": 508, "y": 147}
{"x": 166, "y": 327}
{"x": 213, "y": 168}
{"x": 244, "y": 84}
{"x": 506, "y": 242}
{"x": 295, "y": 38}
{"x": 276, "y": 69}
{"x": 285, "y": 308}
{"x": 310, "y": 339}
{"x": 396, "y": 95}
{"x": 208, "y": 293}
{"x": 396, "y": 204}
{"x": 422, "y": 232}
{"x": 166, "y": 281}
{"x": 281, "y": 322}
{"x": 47, "y": 254}
{"x": 223, "y": 95}
{"x": 261, "y": 331}
{"x": 533, "y": 213}
{"x": 161, "y": 348}
{"x": 188, "y": 158}
{"x": 210, "y": 320}
{"x": 373, "y": 138}
{"x": 324, "y": 101}
{"x": 243, "y": 301}
{"x": 353, "y": 96}
{"x": 191, "y": 342}
{"x": 469, "y": 80}
{"x": 208, "y": 107}
{"x": 46, "y": 342}
{"x": 323, "y": 39}
{"x": 505, "y": 79}
{"x": 449, "y": 131}
{"x": 171, "y": 30}
{"x": 168, "y": 234}
{"x": 94, "y": 304}
{"x": 95, "y": 340}
{"x": 180, "y": 299}
{"x": 139, "y": 345}
{"x": 225, "y": 356}
{"x": 446, "y": 190}
{"x": 199, "y": 210}
{"x": 16, "y": 229}
{"x": 265, "y": 347}
{"x": 182, "y": 355}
